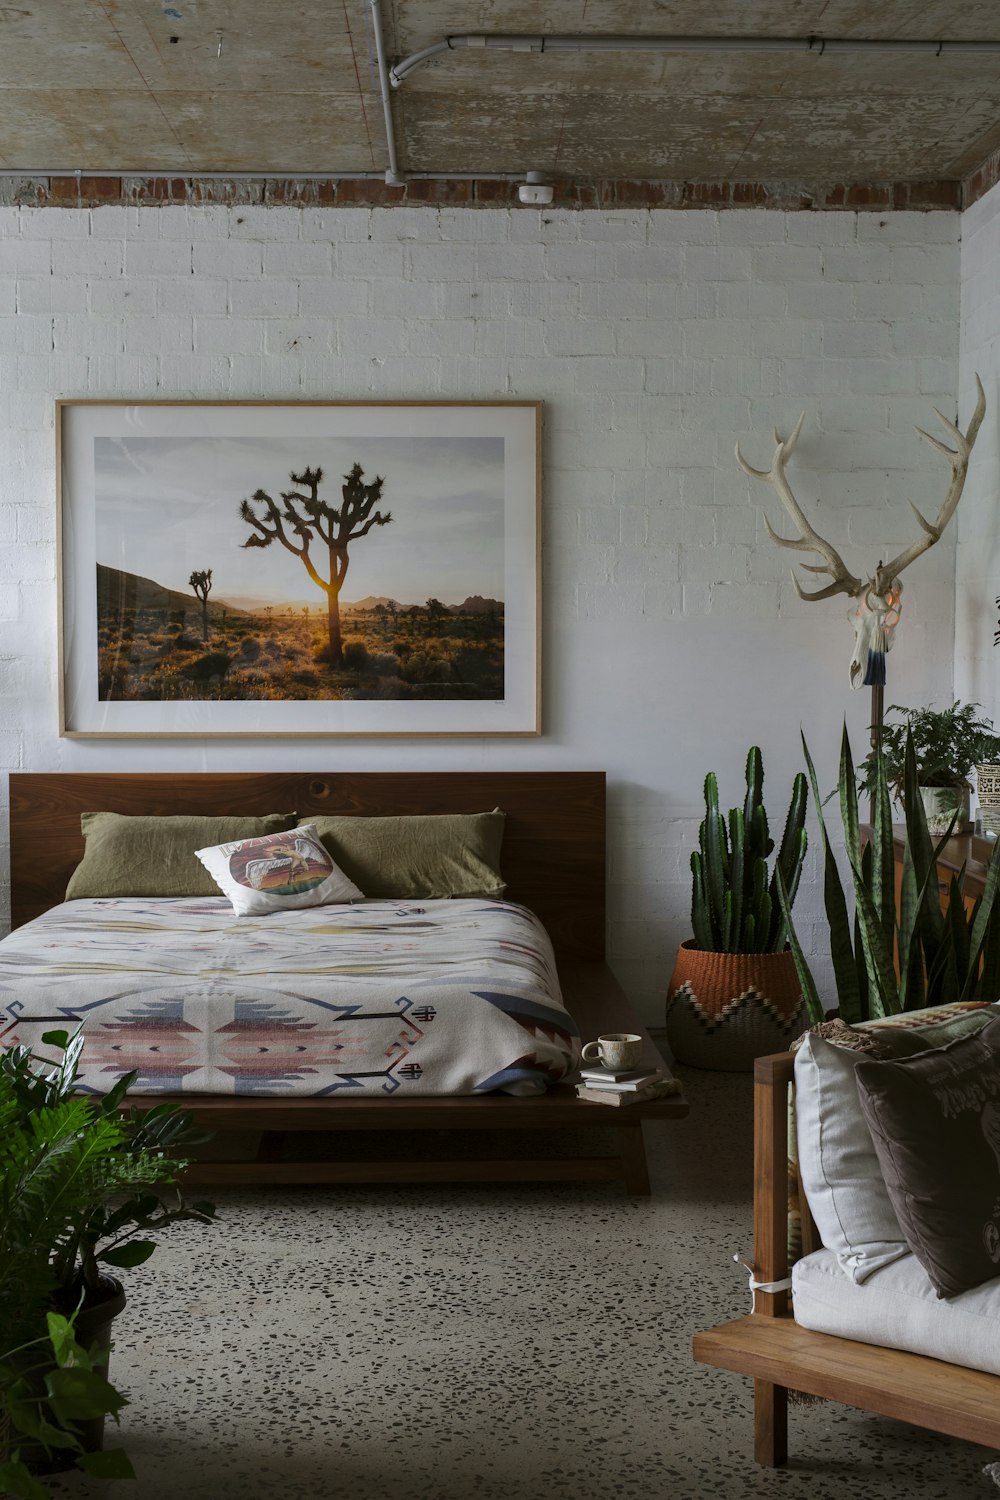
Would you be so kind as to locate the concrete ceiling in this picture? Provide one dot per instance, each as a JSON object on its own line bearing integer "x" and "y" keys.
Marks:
{"x": 139, "y": 86}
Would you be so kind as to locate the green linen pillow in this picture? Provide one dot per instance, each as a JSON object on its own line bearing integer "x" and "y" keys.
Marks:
{"x": 423, "y": 856}
{"x": 155, "y": 856}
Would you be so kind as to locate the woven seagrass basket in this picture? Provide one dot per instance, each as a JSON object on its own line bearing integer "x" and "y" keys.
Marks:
{"x": 725, "y": 1009}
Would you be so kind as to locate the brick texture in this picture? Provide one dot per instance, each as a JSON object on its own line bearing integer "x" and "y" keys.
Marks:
{"x": 90, "y": 191}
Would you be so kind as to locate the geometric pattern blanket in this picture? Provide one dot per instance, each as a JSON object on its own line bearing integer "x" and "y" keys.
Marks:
{"x": 380, "y": 998}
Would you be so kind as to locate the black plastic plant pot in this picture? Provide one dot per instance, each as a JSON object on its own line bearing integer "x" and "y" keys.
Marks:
{"x": 93, "y": 1332}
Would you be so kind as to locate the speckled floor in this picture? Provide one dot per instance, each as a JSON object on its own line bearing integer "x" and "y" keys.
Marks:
{"x": 470, "y": 1344}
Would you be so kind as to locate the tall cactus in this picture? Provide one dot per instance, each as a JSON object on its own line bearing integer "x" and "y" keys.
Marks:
{"x": 735, "y": 906}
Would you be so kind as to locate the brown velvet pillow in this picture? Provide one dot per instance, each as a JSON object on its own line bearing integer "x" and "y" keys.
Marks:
{"x": 935, "y": 1124}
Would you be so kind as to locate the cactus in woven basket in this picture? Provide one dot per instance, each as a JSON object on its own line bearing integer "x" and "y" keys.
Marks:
{"x": 734, "y": 903}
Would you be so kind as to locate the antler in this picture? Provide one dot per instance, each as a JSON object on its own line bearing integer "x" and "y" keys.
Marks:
{"x": 809, "y": 540}
{"x": 958, "y": 457}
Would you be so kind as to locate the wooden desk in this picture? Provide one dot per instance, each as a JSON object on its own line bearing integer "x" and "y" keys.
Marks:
{"x": 974, "y": 853}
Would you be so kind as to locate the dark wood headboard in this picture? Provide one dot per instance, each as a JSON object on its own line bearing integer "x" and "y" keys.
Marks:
{"x": 553, "y": 848}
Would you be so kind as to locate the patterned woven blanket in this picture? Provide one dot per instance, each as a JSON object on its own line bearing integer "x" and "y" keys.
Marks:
{"x": 384, "y": 998}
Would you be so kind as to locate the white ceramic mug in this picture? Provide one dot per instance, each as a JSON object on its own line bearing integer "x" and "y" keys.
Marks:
{"x": 618, "y": 1049}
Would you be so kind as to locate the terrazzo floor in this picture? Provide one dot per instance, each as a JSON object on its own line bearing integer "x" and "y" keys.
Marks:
{"x": 476, "y": 1344}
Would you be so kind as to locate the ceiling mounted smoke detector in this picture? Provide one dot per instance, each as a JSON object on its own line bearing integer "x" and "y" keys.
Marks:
{"x": 535, "y": 190}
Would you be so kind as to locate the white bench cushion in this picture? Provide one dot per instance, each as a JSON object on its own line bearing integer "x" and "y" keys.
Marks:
{"x": 898, "y": 1307}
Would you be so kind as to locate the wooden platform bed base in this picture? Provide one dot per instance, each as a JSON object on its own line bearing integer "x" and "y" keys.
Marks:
{"x": 781, "y": 1356}
{"x": 553, "y": 861}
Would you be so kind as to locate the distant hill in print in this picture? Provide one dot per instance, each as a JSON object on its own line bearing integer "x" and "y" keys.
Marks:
{"x": 120, "y": 593}
{"x": 370, "y": 601}
{"x": 477, "y": 605}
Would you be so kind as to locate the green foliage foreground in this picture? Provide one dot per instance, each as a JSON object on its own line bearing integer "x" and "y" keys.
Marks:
{"x": 945, "y": 953}
{"x": 81, "y": 1188}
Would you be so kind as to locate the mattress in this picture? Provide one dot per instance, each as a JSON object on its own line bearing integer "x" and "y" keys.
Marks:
{"x": 378, "y": 999}
{"x": 898, "y": 1308}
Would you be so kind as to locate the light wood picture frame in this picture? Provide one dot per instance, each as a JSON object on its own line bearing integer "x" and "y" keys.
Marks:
{"x": 298, "y": 568}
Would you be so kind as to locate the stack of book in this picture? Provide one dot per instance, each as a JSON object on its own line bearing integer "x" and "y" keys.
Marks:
{"x": 624, "y": 1085}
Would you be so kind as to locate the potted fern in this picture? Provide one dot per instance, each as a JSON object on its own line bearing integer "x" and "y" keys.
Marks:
{"x": 734, "y": 992}
{"x": 81, "y": 1192}
{"x": 947, "y": 743}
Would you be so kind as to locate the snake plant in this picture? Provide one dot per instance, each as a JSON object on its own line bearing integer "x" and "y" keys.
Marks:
{"x": 735, "y": 906}
{"x": 944, "y": 951}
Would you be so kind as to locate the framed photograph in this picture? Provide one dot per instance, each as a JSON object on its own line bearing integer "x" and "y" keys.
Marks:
{"x": 307, "y": 568}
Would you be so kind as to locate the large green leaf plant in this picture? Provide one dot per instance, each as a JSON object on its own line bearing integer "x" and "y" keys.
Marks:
{"x": 945, "y": 952}
{"x": 82, "y": 1188}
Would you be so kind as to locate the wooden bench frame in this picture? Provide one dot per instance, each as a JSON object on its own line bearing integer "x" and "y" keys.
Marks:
{"x": 780, "y": 1356}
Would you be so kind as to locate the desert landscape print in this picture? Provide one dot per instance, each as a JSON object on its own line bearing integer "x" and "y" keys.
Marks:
{"x": 338, "y": 568}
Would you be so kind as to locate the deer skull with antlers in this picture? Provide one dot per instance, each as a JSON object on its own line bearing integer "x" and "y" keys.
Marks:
{"x": 879, "y": 597}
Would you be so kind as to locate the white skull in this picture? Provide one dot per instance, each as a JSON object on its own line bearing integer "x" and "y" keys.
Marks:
{"x": 874, "y": 617}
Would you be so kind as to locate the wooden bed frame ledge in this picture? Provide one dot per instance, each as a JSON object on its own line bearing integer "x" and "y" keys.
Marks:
{"x": 780, "y": 1356}
{"x": 553, "y": 861}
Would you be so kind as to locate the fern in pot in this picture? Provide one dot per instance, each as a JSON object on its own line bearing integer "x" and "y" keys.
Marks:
{"x": 947, "y": 744}
{"x": 83, "y": 1190}
{"x": 734, "y": 993}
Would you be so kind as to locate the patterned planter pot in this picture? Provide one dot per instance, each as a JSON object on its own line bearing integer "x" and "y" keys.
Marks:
{"x": 988, "y": 784}
{"x": 725, "y": 1009}
{"x": 988, "y": 793}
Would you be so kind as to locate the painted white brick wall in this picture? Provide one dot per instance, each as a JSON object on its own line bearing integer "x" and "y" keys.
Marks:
{"x": 977, "y": 563}
{"x": 673, "y": 638}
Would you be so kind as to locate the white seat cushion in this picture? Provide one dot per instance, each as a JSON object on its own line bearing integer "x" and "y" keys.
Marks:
{"x": 898, "y": 1307}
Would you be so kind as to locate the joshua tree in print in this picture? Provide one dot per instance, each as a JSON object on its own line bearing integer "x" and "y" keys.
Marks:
{"x": 303, "y": 519}
{"x": 202, "y": 585}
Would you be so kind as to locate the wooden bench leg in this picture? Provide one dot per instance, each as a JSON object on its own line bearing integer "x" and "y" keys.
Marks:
{"x": 633, "y": 1159}
{"x": 770, "y": 1424}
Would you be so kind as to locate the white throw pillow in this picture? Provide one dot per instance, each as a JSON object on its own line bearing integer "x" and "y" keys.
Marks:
{"x": 277, "y": 872}
{"x": 838, "y": 1168}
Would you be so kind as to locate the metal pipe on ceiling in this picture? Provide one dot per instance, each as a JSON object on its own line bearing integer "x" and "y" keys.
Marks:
{"x": 816, "y": 45}
{"x": 392, "y": 175}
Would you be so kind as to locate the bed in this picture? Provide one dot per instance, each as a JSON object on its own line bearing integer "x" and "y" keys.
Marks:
{"x": 553, "y": 863}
